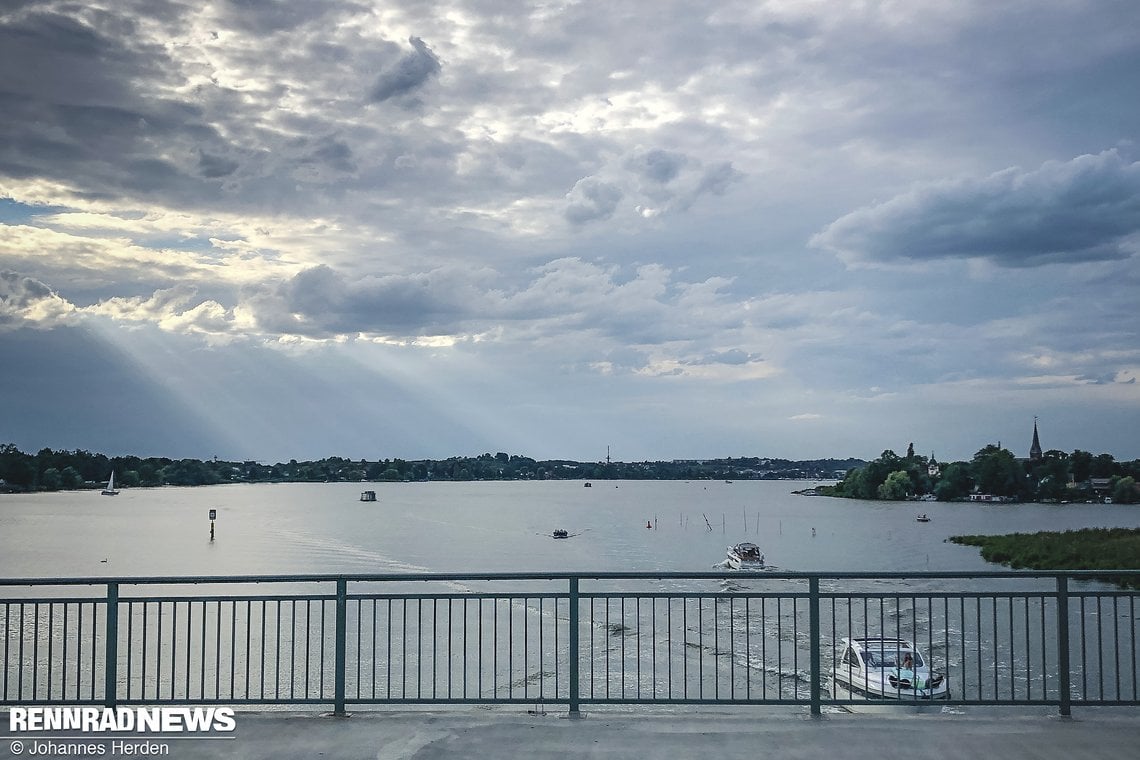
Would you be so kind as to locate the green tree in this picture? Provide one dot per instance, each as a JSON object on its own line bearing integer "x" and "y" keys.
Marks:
{"x": 1080, "y": 465}
{"x": 955, "y": 482}
{"x": 1103, "y": 466}
{"x": 70, "y": 478}
{"x": 50, "y": 479}
{"x": 149, "y": 475}
{"x": 1125, "y": 491}
{"x": 896, "y": 486}
{"x": 996, "y": 471}
{"x": 1049, "y": 478}
{"x": 16, "y": 467}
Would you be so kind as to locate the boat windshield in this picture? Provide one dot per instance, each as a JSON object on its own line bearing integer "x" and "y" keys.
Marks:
{"x": 879, "y": 658}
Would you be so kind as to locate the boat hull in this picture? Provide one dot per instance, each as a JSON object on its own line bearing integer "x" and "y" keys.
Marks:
{"x": 861, "y": 689}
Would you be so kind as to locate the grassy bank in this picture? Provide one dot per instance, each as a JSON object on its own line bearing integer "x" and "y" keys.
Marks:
{"x": 1085, "y": 549}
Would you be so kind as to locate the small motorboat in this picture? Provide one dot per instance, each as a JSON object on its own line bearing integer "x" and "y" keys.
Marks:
{"x": 745, "y": 556}
{"x": 884, "y": 668}
{"x": 560, "y": 533}
{"x": 922, "y": 518}
{"x": 368, "y": 496}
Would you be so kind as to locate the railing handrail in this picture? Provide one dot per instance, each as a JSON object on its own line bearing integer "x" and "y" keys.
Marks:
{"x": 108, "y": 594}
{"x": 553, "y": 576}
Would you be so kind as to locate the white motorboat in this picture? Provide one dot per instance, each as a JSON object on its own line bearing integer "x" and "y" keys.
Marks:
{"x": 885, "y": 668}
{"x": 110, "y": 490}
{"x": 745, "y": 556}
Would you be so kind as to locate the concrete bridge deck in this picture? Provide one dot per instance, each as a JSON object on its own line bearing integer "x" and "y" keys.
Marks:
{"x": 493, "y": 734}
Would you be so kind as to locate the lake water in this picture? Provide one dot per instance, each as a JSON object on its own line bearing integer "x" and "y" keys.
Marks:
{"x": 288, "y": 529}
{"x": 499, "y": 526}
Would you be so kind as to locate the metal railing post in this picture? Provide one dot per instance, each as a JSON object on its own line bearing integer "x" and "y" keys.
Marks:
{"x": 1063, "y": 644}
{"x": 341, "y": 646}
{"x": 574, "y": 653}
{"x": 111, "y": 670}
{"x": 813, "y": 639}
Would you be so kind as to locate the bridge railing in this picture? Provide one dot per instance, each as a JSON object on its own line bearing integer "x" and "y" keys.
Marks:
{"x": 1002, "y": 638}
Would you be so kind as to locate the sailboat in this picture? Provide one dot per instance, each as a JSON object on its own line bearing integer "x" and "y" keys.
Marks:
{"x": 110, "y": 489}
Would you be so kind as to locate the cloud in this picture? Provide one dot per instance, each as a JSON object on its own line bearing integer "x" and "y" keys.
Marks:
{"x": 1078, "y": 211}
{"x": 321, "y": 302}
{"x": 410, "y": 73}
{"x": 178, "y": 309}
{"x": 732, "y": 357}
{"x": 660, "y": 166}
{"x": 263, "y": 17}
{"x": 212, "y": 166}
{"x": 591, "y": 200}
{"x": 27, "y": 302}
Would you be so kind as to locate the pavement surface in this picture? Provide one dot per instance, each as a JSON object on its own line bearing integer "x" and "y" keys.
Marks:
{"x": 690, "y": 734}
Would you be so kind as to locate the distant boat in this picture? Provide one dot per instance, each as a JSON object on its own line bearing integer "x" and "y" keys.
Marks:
{"x": 110, "y": 489}
{"x": 368, "y": 496}
{"x": 922, "y": 518}
{"x": 745, "y": 556}
{"x": 560, "y": 533}
{"x": 587, "y": 484}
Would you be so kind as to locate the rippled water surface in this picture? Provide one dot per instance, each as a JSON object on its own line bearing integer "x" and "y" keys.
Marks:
{"x": 499, "y": 526}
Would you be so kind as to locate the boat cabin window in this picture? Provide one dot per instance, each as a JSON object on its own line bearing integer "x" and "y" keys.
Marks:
{"x": 850, "y": 658}
{"x": 877, "y": 658}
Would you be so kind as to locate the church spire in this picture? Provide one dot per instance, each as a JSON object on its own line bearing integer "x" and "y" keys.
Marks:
{"x": 1035, "y": 449}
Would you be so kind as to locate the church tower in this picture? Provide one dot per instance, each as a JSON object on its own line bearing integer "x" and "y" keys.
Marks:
{"x": 1035, "y": 449}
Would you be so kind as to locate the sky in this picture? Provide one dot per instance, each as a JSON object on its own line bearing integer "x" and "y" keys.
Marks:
{"x": 265, "y": 230}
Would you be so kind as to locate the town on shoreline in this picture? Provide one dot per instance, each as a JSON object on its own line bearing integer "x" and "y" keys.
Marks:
{"x": 994, "y": 474}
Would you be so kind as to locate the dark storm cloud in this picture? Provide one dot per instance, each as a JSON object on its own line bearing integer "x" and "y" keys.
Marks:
{"x": 409, "y": 74}
{"x": 1083, "y": 210}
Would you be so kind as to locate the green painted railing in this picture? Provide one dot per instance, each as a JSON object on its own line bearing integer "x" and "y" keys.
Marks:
{"x": 1002, "y": 638}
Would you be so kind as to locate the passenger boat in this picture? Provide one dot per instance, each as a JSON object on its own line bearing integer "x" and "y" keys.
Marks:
{"x": 745, "y": 556}
{"x": 884, "y": 668}
{"x": 560, "y": 533}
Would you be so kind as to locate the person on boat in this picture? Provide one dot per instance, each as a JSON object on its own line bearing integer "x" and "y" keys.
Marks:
{"x": 907, "y": 669}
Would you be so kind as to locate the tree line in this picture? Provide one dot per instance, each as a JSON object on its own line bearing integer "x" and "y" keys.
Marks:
{"x": 49, "y": 470}
{"x": 995, "y": 472}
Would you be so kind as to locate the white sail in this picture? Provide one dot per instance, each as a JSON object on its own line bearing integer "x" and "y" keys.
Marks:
{"x": 110, "y": 489}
